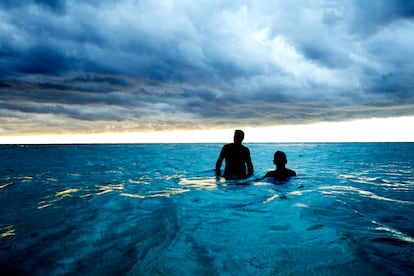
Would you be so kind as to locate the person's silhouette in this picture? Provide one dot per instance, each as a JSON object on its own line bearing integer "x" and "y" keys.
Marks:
{"x": 281, "y": 171}
{"x": 237, "y": 158}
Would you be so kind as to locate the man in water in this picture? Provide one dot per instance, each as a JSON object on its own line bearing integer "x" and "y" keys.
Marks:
{"x": 237, "y": 158}
{"x": 281, "y": 171}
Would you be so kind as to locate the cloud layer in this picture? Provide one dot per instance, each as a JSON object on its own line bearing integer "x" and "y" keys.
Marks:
{"x": 140, "y": 65}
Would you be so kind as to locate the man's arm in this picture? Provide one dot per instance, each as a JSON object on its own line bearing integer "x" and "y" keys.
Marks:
{"x": 249, "y": 164}
{"x": 219, "y": 162}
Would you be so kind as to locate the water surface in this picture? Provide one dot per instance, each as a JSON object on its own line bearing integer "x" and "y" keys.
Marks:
{"x": 159, "y": 209}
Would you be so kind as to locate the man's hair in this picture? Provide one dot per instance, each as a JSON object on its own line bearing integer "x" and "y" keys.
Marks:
{"x": 279, "y": 156}
{"x": 238, "y": 135}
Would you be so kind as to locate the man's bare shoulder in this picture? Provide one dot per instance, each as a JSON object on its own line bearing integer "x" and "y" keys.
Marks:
{"x": 281, "y": 174}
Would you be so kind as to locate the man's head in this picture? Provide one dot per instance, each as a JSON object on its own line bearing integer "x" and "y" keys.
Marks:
{"x": 238, "y": 136}
{"x": 280, "y": 159}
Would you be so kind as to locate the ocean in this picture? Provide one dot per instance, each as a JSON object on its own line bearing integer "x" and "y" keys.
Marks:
{"x": 158, "y": 209}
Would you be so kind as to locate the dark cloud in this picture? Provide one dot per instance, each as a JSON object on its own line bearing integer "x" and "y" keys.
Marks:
{"x": 43, "y": 60}
{"x": 371, "y": 16}
{"x": 158, "y": 64}
{"x": 56, "y": 6}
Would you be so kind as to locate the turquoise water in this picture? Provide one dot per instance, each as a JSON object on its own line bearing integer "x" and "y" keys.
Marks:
{"x": 158, "y": 209}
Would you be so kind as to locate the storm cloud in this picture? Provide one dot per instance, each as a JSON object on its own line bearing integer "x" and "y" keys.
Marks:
{"x": 142, "y": 65}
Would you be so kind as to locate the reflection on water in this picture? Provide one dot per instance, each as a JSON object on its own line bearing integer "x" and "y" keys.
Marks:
{"x": 208, "y": 183}
{"x": 109, "y": 187}
{"x": 7, "y": 231}
{"x": 343, "y": 190}
{"x": 393, "y": 232}
{"x": 159, "y": 193}
{"x": 6, "y": 185}
{"x": 49, "y": 201}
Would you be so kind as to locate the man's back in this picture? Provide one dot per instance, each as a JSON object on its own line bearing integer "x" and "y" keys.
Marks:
{"x": 236, "y": 156}
{"x": 281, "y": 173}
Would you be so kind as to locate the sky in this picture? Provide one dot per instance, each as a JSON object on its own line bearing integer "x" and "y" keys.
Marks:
{"x": 163, "y": 70}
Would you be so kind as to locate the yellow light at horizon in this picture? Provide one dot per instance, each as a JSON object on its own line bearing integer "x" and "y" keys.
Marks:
{"x": 367, "y": 130}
